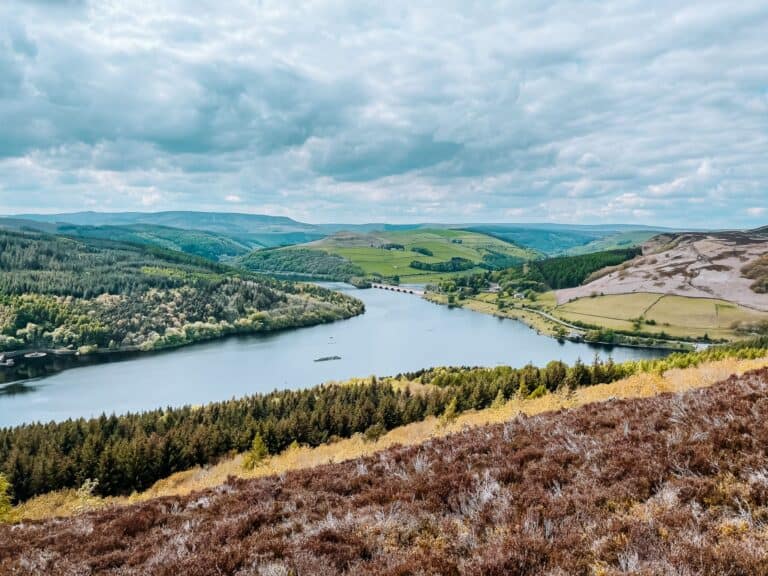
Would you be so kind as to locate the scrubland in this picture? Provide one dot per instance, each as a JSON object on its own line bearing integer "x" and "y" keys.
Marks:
{"x": 676, "y": 483}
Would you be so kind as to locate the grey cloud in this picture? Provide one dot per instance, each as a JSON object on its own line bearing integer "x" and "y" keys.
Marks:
{"x": 375, "y": 157}
{"x": 549, "y": 110}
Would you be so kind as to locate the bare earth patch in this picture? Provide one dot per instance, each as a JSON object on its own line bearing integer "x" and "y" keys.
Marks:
{"x": 697, "y": 265}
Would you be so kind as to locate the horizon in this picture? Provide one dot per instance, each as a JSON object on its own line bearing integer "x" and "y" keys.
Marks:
{"x": 647, "y": 114}
{"x": 22, "y": 216}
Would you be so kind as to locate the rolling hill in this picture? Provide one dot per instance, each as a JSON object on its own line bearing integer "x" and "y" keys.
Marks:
{"x": 58, "y": 292}
{"x": 271, "y": 231}
{"x": 412, "y": 256}
{"x": 210, "y": 245}
{"x": 249, "y": 230}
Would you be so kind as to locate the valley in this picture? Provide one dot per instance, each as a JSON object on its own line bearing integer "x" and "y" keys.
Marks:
{"x": 383, "y": 288}
{"x": 251, "y": 399}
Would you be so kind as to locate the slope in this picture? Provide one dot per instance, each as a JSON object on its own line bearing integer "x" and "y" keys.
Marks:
{"x": 251, "y": 230}
{"x": 210, "y": 245}
{"x": 58, "y": 292}
{"x": 410, "y": 256}
{"x": 669, "y": 484}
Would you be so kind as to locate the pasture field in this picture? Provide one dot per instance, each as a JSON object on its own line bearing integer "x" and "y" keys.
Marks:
{"x": 677, "y": 316}
{"x": 368, "y": 252}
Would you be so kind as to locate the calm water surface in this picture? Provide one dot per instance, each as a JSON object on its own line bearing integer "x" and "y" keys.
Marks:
{"x": 397, "y": 333}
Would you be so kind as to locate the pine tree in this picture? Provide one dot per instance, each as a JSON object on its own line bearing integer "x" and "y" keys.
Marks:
{"x": 523, "y": 389}
{"x": 451, "y": 412}
{"x": 5, "y": 498}
{"x": 256, "y": 454}
{"x": 500, "y": 400}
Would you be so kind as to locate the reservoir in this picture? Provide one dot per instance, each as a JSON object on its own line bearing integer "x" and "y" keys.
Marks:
{"x": 398, "y": 333}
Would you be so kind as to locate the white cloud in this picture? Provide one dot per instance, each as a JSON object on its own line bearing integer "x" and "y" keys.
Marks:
{"x": 341, "y": 111}
{"x": 756, "y": 211}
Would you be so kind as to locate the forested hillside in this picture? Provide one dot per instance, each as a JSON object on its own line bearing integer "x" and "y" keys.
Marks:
{"x": 672, "y": 484}
{"x": 61, "y": 292}
{"x": 131, "y": 452}
{"x": 542, "y": 275}
{"x": 210, "y": 245}
{"x": 569, "y": 271}
{"x": 301, "y": 261}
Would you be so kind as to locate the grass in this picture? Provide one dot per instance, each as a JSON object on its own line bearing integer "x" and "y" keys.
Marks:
{"x": 487, "y": 303}
{"x": 678, "y": 316}
{"x": 444, "y": 244}
{"x": 69, "y": 502}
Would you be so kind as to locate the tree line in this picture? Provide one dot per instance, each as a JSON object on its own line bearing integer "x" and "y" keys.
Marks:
{"x": 569, "y": 271}
{"x": 131, "y": 452}
{"x": 455, "y": 264}
{"x": 554, "y": 273}
{"x": 317, "y": 263}
{"x": 60, "y": 292}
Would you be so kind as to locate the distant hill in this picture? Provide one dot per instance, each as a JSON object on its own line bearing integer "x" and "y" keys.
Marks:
{"x": 210, "y": 245}
{"x": 219, "y": 235}
{"x": 227, "y": 222}
{"x": 271, "y": 231}
{"x": 558, "y": 239}
{"x": 412, "y": 255}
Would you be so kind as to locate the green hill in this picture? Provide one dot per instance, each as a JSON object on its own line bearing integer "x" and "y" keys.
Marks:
{"x": 249, "y": 230}
{"x": 412, "y": 256}
{"x": 559, "y": 239}
{"x": 57, "y": 292}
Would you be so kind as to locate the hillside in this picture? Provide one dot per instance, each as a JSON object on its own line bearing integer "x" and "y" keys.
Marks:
{"x": 210, "y": 245}
{"x": 705, "y": 265}
{"x": 250, "y": 230}
{"x": 670, "y": 484}
{"x": 700, "y": 285}
{"x": 60, "y": 292}
{"x": 411, "y": 256}
{"x": 559, "y": 239}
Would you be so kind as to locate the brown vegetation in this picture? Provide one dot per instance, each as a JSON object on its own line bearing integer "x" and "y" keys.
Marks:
{"x": 725, "y": 265}
{"x": 675, "y": 484}
{"x": 758, "y": 271}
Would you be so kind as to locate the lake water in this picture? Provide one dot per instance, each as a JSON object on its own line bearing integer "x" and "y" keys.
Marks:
{"x": 398, "y": 333}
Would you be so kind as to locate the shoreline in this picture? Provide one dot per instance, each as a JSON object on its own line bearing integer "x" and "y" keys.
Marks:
{"x": 99, "y": 355}
{"x": 544, "y": 325}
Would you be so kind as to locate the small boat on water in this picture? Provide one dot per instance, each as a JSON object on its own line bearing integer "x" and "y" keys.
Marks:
{"x": 327, "y": 358}
{"x": 35, "y": 355}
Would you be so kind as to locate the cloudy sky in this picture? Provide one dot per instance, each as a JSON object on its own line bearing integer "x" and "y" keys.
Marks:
{"x": 622, "y": 111}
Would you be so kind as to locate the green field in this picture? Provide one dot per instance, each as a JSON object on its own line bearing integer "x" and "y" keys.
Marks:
{"x": 366, "y": 252}
{"x": 677, "y": 316}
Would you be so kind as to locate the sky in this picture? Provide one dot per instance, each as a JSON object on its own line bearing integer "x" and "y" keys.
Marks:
{"x": 477, "y": 111}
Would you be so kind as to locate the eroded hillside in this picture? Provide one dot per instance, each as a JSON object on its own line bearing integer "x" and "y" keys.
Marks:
{"x": 723, "y": 265}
